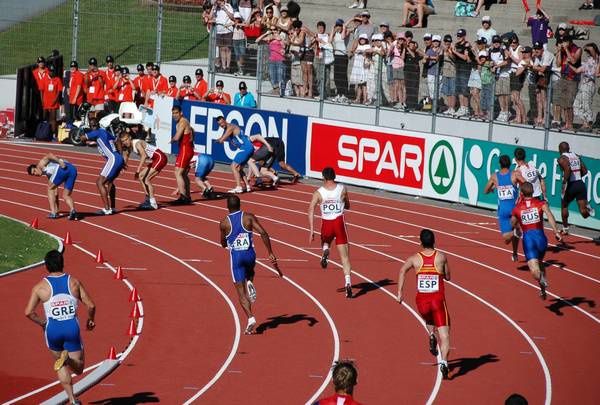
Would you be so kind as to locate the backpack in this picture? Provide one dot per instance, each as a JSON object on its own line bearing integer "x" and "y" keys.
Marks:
{"x": 464, "y": 9}
{"x": 43, "y": 132}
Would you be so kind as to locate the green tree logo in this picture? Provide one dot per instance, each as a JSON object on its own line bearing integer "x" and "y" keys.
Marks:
{"x": 442, "y": 167}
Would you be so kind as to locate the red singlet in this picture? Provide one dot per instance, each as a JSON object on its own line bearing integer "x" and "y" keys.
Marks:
{"x": 430, "y": 298}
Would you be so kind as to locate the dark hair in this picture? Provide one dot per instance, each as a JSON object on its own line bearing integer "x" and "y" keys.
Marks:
{"x": 527, "y": 189}
{"x": 344, "y": 376}
{"x": 233, "y": 203}
{"x": 30, "y": 169}
{"x": 219, "y": 118}
{"x": 594, "y": 46}
{"x": 54, "y": 261}
{"x": 520, "y": 154}
{"x": 504, "y": 162}
{"x": 328, "y": 173}
{"x": 427, "y": 238}
{"x": 176, "y": 108}
{"x": 563, "y": 147}
{"x": 516, "y": 399}
{"x": 321, "y": 24}
{"x": 297, "y": 24}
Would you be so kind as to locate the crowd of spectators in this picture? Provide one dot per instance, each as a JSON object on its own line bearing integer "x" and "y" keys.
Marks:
{"x": 479, "y": 74}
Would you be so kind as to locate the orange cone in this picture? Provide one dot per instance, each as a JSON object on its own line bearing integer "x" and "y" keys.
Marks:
{"x": 134, "y": 296}
{"x": 68, "y": 240}
{"x": 135, "y": 311}
{"x": 112, "y": 354}
{"x": 99, "y": 257}
{"x": 132, "y": 328}
{"x": 119, "y": 275}
{"x": 35, "y": 223}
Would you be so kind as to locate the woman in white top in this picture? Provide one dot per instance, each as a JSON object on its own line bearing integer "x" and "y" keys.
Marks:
{"x": 589, "y": 69}
{"x": 516, "y": 82}
{"x": 358, "y": 76}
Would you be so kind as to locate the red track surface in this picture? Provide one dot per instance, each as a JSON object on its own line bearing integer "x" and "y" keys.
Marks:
{"x": 504, "y": 338}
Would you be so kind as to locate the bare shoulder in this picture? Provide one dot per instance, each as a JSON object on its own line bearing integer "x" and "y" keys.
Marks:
{"x": 441, "y": 257}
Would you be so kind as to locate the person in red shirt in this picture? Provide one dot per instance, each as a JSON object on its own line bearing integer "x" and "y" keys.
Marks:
{"x": 186, "y": 91}
{"x": 94, "y": 84}
{"x": 217, "y": 95}
{"x": 345, "y": 378}
{"x": 76, "y": 92}
{"x": 184, "y": 137}
{"x": 40, "y": 73}
{"x": 528, "y": 215}
{"x": 51, "y": 98}
{"x": 138, "y": 84}
{"x": 124, "y": 87}
{"x": 158, "y": 86}
{"x": 201, "y": 87}
{"x": 111, "y": 75}
{"x": 432, "y": 269}
{"x": 172, "y": 91}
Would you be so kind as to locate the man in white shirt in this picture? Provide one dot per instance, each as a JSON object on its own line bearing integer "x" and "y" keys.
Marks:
{"x": 486, "y": 31}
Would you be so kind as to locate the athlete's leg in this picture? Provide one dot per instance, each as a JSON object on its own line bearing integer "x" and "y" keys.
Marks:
{"x": 289, "y": 168}
{"x": 583, "y": 208}
{"x": 112, "y": 194}
{"x": 236, "y": 169}
{"x": 564, "y": 212}
{"x": 68, "y": 199}
{"x": 64, "y": 376}
{"x": 343, "y": 250}
{"x": 186, "y": 181}
{"x": 101, "y": 182}
{"x": 243, "y": 298}
{"x": 142, "y": 178}
{"x": 150, "y": 174}
{"x": 444, "y": 336}
{"x": 201, "y": 184}
{"x": 52, "y": 198}
{"x": 180, "y": 181}
{"x": 534, "y": 268}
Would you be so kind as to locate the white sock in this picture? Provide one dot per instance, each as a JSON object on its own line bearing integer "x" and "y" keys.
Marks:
{"x": 251, "y": 320}
{"x": 348, "y": 281}
{"x": 153, "y": 200}
{"x": 325, "y": 246}
{"x": 444, "y": 362}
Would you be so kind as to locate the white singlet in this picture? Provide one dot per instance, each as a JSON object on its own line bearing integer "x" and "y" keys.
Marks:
{"x": 532, "y": 175}
{"x": 149, "y": 149}
{"x": 61, "y": 307}
{"x": 332, "y": 205}
{"x": 50, "y": 170}
{"x": 575, "y": 164}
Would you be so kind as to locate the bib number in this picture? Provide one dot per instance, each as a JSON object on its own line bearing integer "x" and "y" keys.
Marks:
{"x": 50, "y": 87}
{"x": 506, "y": 192}
{"x": 92, "y": 90}
{"x": 121, "y": 97}
{"x": 241, "y": 242}
{"x": 530, "y": 216}
{"x": 428, "y": 283}
{"x": 331, "y": 207}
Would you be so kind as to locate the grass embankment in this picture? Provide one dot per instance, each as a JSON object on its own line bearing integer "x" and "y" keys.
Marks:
{"x": 21, "y": 246}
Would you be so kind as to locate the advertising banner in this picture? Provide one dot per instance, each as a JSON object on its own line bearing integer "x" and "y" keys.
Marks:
{"x": 481, "y": 160}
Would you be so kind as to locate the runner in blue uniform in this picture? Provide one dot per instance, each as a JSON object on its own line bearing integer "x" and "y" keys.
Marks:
{"x": 58, "y": 171}
{"x": 236, "y": 235}
{"x": 504, "y": 181}
{"x": 204, "y": 166}
{"x": 60, "y": 293}
{"x": 107, "y": 146}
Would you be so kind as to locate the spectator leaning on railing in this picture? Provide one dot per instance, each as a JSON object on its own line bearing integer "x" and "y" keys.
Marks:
{"x": 582, "y": 106}
{"x": 568, "y": 57}
{"x": 275, "y": 41}
{"x": 339, "y": 40}
{"x": 243, "y": 98}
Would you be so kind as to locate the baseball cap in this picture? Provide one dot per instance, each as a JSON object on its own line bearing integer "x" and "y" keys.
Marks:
{"x": 527, "y": 49}
{"x": 283, "y": 8}
{"x": 377, "y": 37}
{"x": 118, "y": 68}
{"x": 400, "y": 35}
{"x": 199, "y": 72}
{"x": 124, "y": 70}
{"x": 243, "y": 86}
{"x": 237, "y": 15}
{"x": 384, "y": 24}
{"x": 156, "y": 67}
{"x": 109, "y": 58}
{"x": 220, "y": 83}
{"x": 172, "y": 79}
{"x": 538, "y": 45}
{"x": 496, "y": 38}
{"x": 339, "y": 21}
{"x": 481, "y": 40}
{"x": 427, "y": 36}
{"x": 486, "y": 18}
{"x": 447, "y": 38}
{"x": 93, "y": 61}
{"x": 41, "y": 59}
{"x": 461, "y": 32}
{"x": 140, "y": 67}
{"x": 363, "y": 36}
{"x": 436, "y": 38}
{"x": 482, "y": 53}
{"x": 562, "y": 26}
{"x": 74, "y": 64}
{"x": 187, "y": 79}
{"x": 365, "y": 14}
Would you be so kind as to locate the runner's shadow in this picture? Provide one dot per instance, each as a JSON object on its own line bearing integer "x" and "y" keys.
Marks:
{"x": 559, "y": 304}
{"x": 560, "y": 247}
{"x": 138, "y": 398}
{"x": 367, "y": 287}
{"x": 554, "y": 262}
{"x": 285, "y": 319}
{"x": 84, "y": 215}
{"x": 465, "y": 365}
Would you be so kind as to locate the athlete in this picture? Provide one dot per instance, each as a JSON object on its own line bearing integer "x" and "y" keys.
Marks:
{"x": 108, "y": 146}
{"x": 204, "y": 166}
{"x": 333, "y": 200}
{"x": 237, "y": 140}
{"x": 58, "y": 171}
{"x": 526, "y": 172}
{"x": 432, "y": 269}
{"x": 145, "y": 173}
{"x": 278, "y": 156}
{"x": 504, "y": 182}
{"x": 236, "y": 235}
{"x": 573, "y": 188}
{"x": 528, "y": 215}
{"x": 344, "y": 377}
{"x": 184, "y": 137}
{"x": 262, "y": 151}
{"x": 59, "y": 292}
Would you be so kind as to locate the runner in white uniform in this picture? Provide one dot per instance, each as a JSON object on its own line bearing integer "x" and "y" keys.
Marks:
{"x": 333, "y": 200}
{"x": 527, "y": 172}
{"x": 573, "y": 187}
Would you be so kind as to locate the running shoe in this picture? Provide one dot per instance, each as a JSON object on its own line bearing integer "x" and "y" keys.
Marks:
{"x": 62, "y": 359}
{"x": 145, "y": 206}
{"x": 565, "y": 230}
{"x": 104, "y": 211}
{"x": 444, "y": 370}
{"x": 433, "y": 345}
{"x": 515, "y": 257}
{"x": 276, "y": 180}
{"x": 543, "y": 285}
{"x": 251, "y": 291}
{"x": 73, "y": 216}
{"x": 154, "y": 204}
{"x": 591, "y": 210}
{"x": 597, "y": 240}
{"x": 52, "y": 215}
{"x": 248, "y": 188}
{"x": 295, "y": 178}
{"x": 250, "y": 328}
{"x": 324, "y": 258}
{"x": 348, "y": 291}
{"x": 76, "y": 402}
{"x": 237, "y": 190}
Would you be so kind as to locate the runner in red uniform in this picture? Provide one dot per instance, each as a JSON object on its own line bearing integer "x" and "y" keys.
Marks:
{"x": 184, "y": 136}
{"x": 344, "y": 377}
{"x": 333, "y": 199}
{"x": 432, "y": 269}
{"x": 528, "y": 214}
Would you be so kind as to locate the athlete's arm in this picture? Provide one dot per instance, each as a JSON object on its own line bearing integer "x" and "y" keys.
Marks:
{"x": 542, "y": 185}
{"x": 262, "y": 140}
{"x": 583, "y": 167}
{"x": 491, "y": 184}
{"x": 30, "y": 313}
{"x": 346, "y": 199}
{"x": 228, "y": 132}
{"x": 444, "y": 265}
{"x": 179, "y": 133}
{"x": 517, "y": 177}
{"x": 142, "y": 152}
{"x": 224, "y": 228}
{"x": 89, "y": 303}
{"x": 257, "y": 227}
{"x": 552, "y": 221}
{"x": 563, "y": 162}
{"x": 316, "y": 199}
{"x": 50, "y": 157}
{"x": 408, "y": 264}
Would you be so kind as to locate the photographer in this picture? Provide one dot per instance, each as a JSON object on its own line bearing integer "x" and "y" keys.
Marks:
{"x": 568, "y": 57}
{"x": 218, "y": 95}
{"x": 223, "y": 18}
{"x": 582, "y": 107}
{"x": 501, "y": 68}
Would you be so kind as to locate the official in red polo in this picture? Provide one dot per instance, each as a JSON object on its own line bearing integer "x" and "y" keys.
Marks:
{"x": 51, "y": 97}
{"x": 76, "y": 92}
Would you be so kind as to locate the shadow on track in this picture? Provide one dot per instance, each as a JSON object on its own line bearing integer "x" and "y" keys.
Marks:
{"x": 558, "y": 304}
{"x": 366, "y": 287}
{"x": 138, "y": 398}
{"x": 285, "y": 319}
{"x": 464, "y": 365}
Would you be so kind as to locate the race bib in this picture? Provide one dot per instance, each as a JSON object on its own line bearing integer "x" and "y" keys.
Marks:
{"x": 575, "y": 164}
{"x": 92, "y": 90}
{"x": 241, "y": 242}
{"x": 62, "y": 307}
{"x": 506, "y": 192}
{"x": 530, "y": 216}
{"x": 332, "y": 207}
{"x": 428, "y": 283}
{"x": 50, "y": 87}
{"x": 121, "y": 97}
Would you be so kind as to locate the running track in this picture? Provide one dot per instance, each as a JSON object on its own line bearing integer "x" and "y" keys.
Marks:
{"x": 504, "y": 338}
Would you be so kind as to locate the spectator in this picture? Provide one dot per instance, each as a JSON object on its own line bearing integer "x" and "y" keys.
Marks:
{"x": 276, "y": 45}
{"x": 486, "y": 31}
{"x": 307, "y": 58}
{"x": 449, "y": 75}
{"x": 324, "y": 59}
{"x": 480, "y": 4}
{"x": 384, "y": 27}
{"x": 540, "y": 24}
{"x": 339, "y": 39}
{"x": 245, "y": 9}
{"x": 110, "y": 96}
{"x": 284, "y": 22}
{"x": 462, "y": 57}
{"x": 269, "y": 21}
{"x": 432, "y": 58}
{"x": 568, "y": 57}
{"x": 75, "y": 93}
{"x": 345, "y": 378}
{"x": 397, "y": 54}
{"x": 244, "y": 98}
{"x": 501, "y": 68}
{"x": 40, "y": 74}
{"x": 375, "y": 82}
{"x": 51, "y": 98}
{"x": 582, "y": 107}
{"x": 94, "y": 86}
{"x": 158, "y": 86}
{"x": 421, "y": 7}
{"x": 362, "y": 25}
{"x": 543, "y": 61}
{"x": 487, "y": 79}
{"x": 358, "y": 76}
{"x": 296, "y": 41}
{"x": 516, "y": 82}
{"x": 201, "y": 87}
{"x": 587, "y": 5}
{"x": 239, "y": 42}
{"x": 186, "y": 91}
{"x": 475, "y": 86}
{"x": 138, "y": 84}
{"x": 223, "y": 19}
{"x": 125, "y": 87}
{"x": 172, "y": 90}
{"x": 524, "y": 74}
{"x": 412, "y": 59}
{"x": 218, "y": 95}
